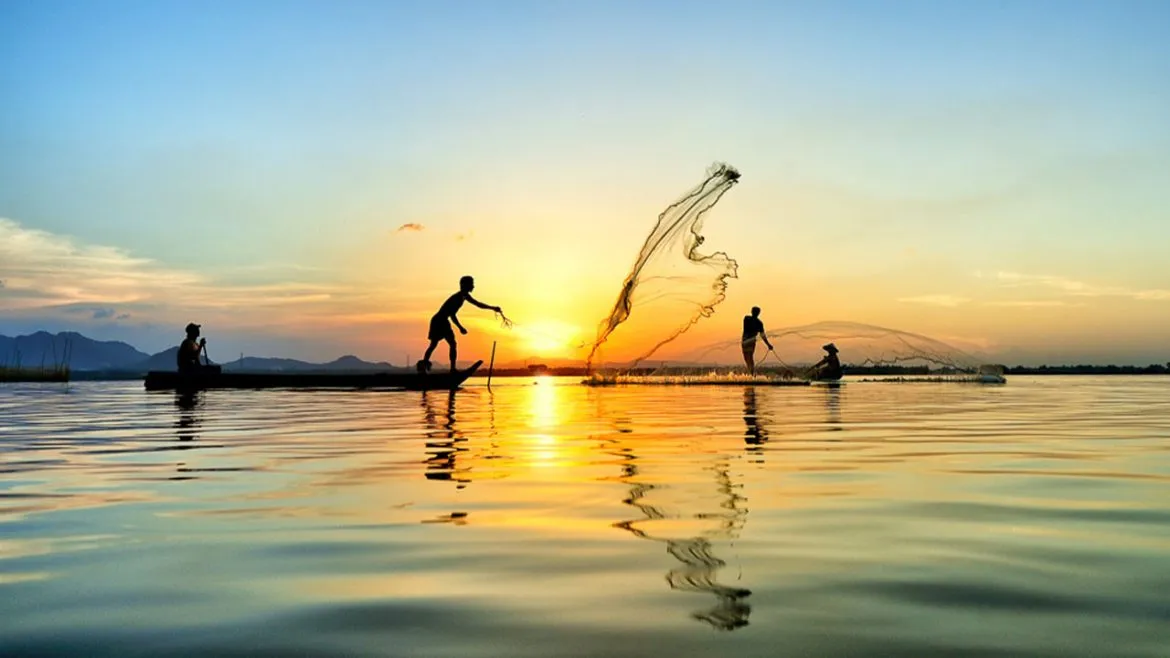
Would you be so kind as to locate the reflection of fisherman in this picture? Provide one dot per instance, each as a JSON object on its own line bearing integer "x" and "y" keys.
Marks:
{"x": 187, "y": 425}
{"x": 752, "y": 327}
{"x": 828, "y": 368}
{"x": 443, "y": 442}
{"x": 190, "y": 349}
{"x": 753, "y": 434}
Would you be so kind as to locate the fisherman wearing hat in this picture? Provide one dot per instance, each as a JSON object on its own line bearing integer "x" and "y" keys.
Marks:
{"x": 190, "y": 349}
{"x": 828, "y": 368}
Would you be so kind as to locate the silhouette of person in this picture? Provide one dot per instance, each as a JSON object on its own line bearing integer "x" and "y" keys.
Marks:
{"x": 828, "y": 368}
{"x": 754, "y": 434}
{"x": 441, "y": 327}
{"x": 444, "y": 442}
{"x": 187, "y": 425}
{"x": 190, "y": 349}
{"x": 752, "y": 327}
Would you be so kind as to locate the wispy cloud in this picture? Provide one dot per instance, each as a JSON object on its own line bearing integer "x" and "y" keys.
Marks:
{"x": 1033, "y": 303}
{"x": 936, "y": 300}
{"x": 43, "y": 269}
{"x": 1078, "y": 288}
{"x": 51, "y": 272}
{"x": 410, "y": 226}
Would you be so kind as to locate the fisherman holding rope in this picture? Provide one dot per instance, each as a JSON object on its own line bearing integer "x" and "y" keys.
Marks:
{"x": 752, "y": 327}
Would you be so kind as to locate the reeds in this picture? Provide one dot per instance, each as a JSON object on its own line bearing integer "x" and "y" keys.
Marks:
{"x": 58, "y": 371}
{"x": 56, "y": 374}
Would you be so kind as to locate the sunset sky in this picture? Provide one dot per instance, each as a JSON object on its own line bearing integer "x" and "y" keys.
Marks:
{"x": 311, "y": 179}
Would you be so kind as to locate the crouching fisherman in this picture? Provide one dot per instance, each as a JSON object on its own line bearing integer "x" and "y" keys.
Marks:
{"x": 828, "y": 368}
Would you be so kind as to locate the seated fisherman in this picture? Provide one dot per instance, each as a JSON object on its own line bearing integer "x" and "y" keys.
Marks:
{"x": 828, "y": 368}
{"x": 190, "y": 349}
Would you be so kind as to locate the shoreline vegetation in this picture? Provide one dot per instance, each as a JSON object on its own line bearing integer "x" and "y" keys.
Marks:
{"x": 17, "y": 374}
{"x": 13, "y": 371}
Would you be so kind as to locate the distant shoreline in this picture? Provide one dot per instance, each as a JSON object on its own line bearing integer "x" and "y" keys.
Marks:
{"x": 24, "y": 375}
{"x": 577, "y": 371}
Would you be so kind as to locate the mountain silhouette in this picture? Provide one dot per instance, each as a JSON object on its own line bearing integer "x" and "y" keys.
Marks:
{"x": 83, "y": 354}
{"x": 67, "y": 348}
{"x": 165, "y": 360}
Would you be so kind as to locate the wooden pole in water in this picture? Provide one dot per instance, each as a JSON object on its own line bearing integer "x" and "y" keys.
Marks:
{"x": 491, "y": 365}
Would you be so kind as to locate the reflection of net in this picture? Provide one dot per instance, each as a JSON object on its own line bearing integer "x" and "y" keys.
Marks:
{"x": 698, "y": 566}
{"x": 671, "y": 292}
{"x": 697, "y": 574}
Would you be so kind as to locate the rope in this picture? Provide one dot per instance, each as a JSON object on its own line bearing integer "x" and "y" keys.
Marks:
{"x": 793, "y": 371}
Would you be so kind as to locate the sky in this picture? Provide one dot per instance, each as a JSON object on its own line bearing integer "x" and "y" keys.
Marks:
{"x": 311, "y": 179}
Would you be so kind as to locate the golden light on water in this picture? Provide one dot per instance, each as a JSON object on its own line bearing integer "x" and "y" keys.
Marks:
{"x": 544, "y": 403}
{"x": 545, "y": 415}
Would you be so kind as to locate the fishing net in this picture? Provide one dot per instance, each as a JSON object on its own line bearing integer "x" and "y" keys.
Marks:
{"x": 670, "y": 286}
{"x": 881, "y": 353}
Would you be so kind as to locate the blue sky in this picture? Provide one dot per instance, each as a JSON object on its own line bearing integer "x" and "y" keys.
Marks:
{"x": 990, "y": 173}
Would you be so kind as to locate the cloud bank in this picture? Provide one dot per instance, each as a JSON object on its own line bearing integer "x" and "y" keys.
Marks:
{"x": 50, "y": 272}
{"x": 1079, "y": 288}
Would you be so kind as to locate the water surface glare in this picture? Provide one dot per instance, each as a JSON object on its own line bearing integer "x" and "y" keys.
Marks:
{"x": 542, "y": 518}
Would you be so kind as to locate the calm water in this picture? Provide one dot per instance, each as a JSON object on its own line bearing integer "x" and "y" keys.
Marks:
{"x": 549, "y": 519}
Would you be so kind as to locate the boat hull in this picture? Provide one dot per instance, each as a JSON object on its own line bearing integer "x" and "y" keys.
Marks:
{"x": 168, "y": 381}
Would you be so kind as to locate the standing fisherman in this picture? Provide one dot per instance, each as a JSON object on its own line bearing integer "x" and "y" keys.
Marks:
{"x": 441, "y": 328}
{"x": 752, "y": 327}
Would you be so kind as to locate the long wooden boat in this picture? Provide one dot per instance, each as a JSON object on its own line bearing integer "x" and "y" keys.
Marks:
{"x": 163, "y": 380}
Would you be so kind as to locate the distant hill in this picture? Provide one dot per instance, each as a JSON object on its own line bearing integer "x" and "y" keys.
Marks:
{"x": 165, "y": 360}
{"x": 89, "y": 355}
{"x": 83, "y": 353}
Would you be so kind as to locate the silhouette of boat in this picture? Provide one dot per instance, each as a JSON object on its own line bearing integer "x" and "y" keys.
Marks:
{"x": 165, "y": 380}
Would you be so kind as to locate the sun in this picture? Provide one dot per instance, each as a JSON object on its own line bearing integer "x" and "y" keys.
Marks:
{"x": 549, "y": 337}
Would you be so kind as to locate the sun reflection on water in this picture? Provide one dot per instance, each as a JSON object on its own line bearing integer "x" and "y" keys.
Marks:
{"x": 544, "y": 509}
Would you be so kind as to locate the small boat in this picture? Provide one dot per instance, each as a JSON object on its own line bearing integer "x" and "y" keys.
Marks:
{"x": 165, "y": 380}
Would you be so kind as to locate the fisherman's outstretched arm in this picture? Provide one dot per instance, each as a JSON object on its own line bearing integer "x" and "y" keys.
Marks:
{"x": 480, "y": 304}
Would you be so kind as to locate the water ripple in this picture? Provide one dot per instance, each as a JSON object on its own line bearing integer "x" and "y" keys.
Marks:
{"x": 542, "y": 518}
